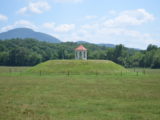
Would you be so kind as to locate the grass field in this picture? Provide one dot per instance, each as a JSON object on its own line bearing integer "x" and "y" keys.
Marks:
{"x": 126, "y": 96}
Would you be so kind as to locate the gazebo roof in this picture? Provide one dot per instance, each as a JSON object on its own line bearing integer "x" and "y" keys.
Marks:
{"x": 81, "y": 48}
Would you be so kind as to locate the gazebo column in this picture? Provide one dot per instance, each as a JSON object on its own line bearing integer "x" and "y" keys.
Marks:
{"x": 75, "y": 53}
{"x": 78, "y": 54}
{"x": 86, "y": 55}
{"x": 82, "y": 55}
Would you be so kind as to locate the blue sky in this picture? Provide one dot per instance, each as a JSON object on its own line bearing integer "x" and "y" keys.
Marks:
{"x": 134, "y": 23}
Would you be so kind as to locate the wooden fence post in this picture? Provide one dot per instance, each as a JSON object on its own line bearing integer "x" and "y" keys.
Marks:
{"x": 144, "y": 72}
{"x": 40, "y": 72}
{"x": 137, "y": 73}
{"x": 96, "y": 73}
{"x": 10, "y": 70}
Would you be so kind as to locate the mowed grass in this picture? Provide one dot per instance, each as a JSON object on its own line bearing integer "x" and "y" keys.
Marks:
{"x": 77, "y": 67}
{"x": 80, "y": 97}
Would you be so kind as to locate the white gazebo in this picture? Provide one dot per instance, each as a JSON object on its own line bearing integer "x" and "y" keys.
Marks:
{"x": 81, "y": 53}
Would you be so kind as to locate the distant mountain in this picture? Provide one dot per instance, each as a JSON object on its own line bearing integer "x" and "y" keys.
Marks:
{"x": 28, "y": 33}
{"x": 81, "y": 42}
{"x": 107, "y": 45}
{"x": 102, "y": 44}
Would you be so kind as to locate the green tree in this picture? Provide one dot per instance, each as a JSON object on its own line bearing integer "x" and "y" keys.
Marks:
{"x": 152, "y": 47}
{"x": 18, "y": 56}
{"x": 156, "y": 60}
{"x": 4, "y": 58}
{"x": 34, "y": 59}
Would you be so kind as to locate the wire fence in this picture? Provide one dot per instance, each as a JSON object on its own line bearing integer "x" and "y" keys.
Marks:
{"x": 134, "y": 72}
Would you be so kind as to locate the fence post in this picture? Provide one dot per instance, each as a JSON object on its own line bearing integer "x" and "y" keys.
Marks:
{"x": 68, "y": 73}
{"x": 121, "y": 73}
{"x": 137, "y": 73}
{"x": 10, "y": 70}
{"x": 144, "y": 72}
{"x": 20, "y": 72}
{"x": 96, "y": 73}
{"x": 40, "y": 72}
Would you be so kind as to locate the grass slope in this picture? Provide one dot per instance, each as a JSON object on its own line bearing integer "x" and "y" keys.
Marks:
{"x": 78, "y": 67}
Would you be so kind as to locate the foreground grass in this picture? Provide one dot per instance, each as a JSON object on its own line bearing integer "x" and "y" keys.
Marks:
{"x": 80, "y": 97}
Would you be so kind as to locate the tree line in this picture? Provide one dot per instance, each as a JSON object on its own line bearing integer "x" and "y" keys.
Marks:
{"x": 29, "y": 52}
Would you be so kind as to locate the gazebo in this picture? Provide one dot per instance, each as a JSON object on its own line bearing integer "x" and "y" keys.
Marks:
{"x": 81, "y": 53}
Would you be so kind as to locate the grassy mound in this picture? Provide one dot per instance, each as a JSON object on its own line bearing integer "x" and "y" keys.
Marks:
{"x": 77, "y": 67}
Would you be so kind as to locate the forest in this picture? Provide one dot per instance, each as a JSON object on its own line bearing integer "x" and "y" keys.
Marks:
{"x": 29, "y": 52}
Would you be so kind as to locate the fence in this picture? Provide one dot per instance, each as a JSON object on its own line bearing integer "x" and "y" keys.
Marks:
{"x": 96, "y": 73}
{"x": 69, "y": 73}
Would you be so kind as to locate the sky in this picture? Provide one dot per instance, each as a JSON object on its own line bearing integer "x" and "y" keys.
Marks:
{"x": 133, "y": 23}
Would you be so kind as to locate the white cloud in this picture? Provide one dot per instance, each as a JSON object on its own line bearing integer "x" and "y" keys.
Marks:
{"x": 116, "y": 31}
{"x": 35, "y": 7}
{"x": 49, "y": 25}
{"x": 130, "y": 18}
{"x": 22, "y": 10}
{"x": 20, "y": 23}
{"x": 130, "y": 38}
{"x": 90, "y": 26}
{"x": 112, "y": 12}
{"x": 59, "y": 28}
{"x": 90, "y": 17}
{"x": 3, "y": 17}
{"x": 64, "y": 28}
{"x": 64, "y": 1}
{"x": 25, "y": 23}
{"x": 6, "y": 28}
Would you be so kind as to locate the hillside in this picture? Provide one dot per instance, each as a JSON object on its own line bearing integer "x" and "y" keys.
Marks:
{"x": 101, "y": 44}
{"x": 77, "y": 67}
{"x": 107, "y": 45}
{"x": 28, "y": 33}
